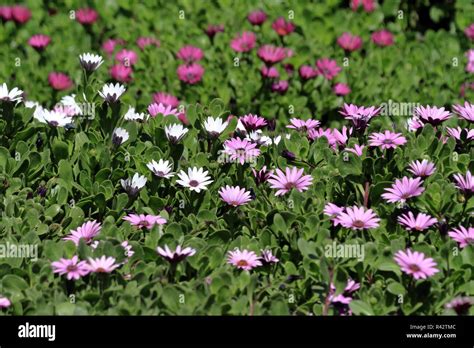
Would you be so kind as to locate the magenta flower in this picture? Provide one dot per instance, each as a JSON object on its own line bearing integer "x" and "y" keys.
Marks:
{"x": 73, "y": 268}
{"x": 234, "y": 195}
{"x": 465, "y": 184}
{"x": 326, "y": 133}
{"x": 245, "y": 259}
{"x": 470, "y": 61}
{"x": 369, "y": 5}
{"x": 460, "y": 134}
{"x": 126, "y": 57}
{"x": 252, "y": 122}
{"x": 102, "y": 265}
{"x": 359, "y": 115}
{"x": 269, "y": 72}
{"x": 382, "y": 38}
{"x": 59, "y": 81}
{"x": 241, "y": 150}
{"x": 280, "y": 86}
{"x": 466, "y": 112}
{"x": 155, "y": 109}
{"x": 262, "y": 175}
{"x": 144, "y": 41}
{"x": 20, "y": 14}
{"x": 166, "y": 99}
{"x": 39, "y": 41}
{"x": 283, "y": 27}
{"x": 144, "y": 220}
{"x": 423, "y": 168}
{"x": 272, "y": 54}
{"x": 307, "y": 72}
{"x": 357, "y": 218}
{"x": 213, "y": 29}
{"x": 292, "y": 178}
{"x": 469, "y": 31}
{"x": 86, "y": 16}
{"x": 416, "y": 264}
{"x": 244, "y": 42}
{"x": 460, "y": 305}
{"x": 121, "y": 73}
{"x": 5, "y": 13}
{"x": 109, "y": 45}
{"x": 433, "y": 115}
{"x": 267, "y": 257}
{"x": 190, "y": 54}
{"x": 302, "y": 125}
{"x": 257, "y": 17}
{"x": 333, "y": 211}
{"x": 357, "y": 150}
{"x": 414, "y": 124}
{"x": 177, "y": 255}
{"x": 86, "y": 231}
{"x": 403, "y": 189}
{"x": 346, "y": 296}
{"x": 191, "y": 73}
{"x": 419, "y": 223}
{"x": 328, "y": 68}
{"x": 464, "y": 236}
{"x": 4, "y": 302}
{"x": 341, "y": 89}
{"x": 387, "y": 140}
{"x": 349, "y": 42}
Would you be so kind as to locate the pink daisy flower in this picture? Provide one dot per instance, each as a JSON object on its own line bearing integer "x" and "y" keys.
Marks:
{"x": 382, "y": 38}
{"x": 416, "y": 264}
{"x": 280, "y": 86}
{"x": 469, "y": 31}
{"x": 424, "y": 168}
{"x": 59, "y": 81}
{"x": 326, "y": 133}
{"x": 234, "y": 195}
{"x": 257, "y": 17}
{"x": 262, "y": 175}
{"x": 121, "y": 73}
{"x": 269, "y": 72}
{"x": 267, "y": 257}
{"x": 271, "y": 54}
{"x": 166, "y": 99}
{"x": 357, "y": 218}
{"x": 357, "y": 150}
{"x": 73, "y": 268}
{"x": 419, "y": 223}
{"x": 307, "y": 72}
{"x": 109, "y": 45}
{"x": 5, "y": 13}
{"x": 177, "y": 255}
{"x": 342, "y": 136}
{"x": 403, "y": 189}
{"x": 465, "y": 184}
{"x": 241, "y": 150}
{"x": 333, "y": 211}
{"x": 464, "y": 236}
{"x": 466, "y": 111}
{"x": 143, "y": 42}
{"x": 39, "y": 41}
{"x": 244, "y": 42}
{"x": 387, "y": 140}
{"x": 86, "y": 231}
{"x": 359, "y": 115}
{"x": 20, "y": 14}
{"x": 460, "y": 134}
{"x": 349, "y": 42}
{"x": 341, "y": 89}
{"x": 213, "y": 29}
{"x": 126, "y": 57}
{"x": 190, "y": 54}
{"x": 328, "y": 68}
{"x": 252, "y": 122}
{"x": 245, "y": 259}
{"x": 414, "y": 124}
{"x": 303, "y": 125}
{"x": 103, "y": 264}
{"x": 346, "y": 296}
{"x": 86, "y": 16}
{"x": 368, "y": 5}
{"x": 283, "y": 27}
{"x": 155, "y": 109}
{"x": 190, "y": 73}
{"x": 144, "y": 220}
{"x": 461, "y": 305}
{"x": 292, "y": 178}
{"x": 432, "y": 115}
{"x": 4, "y": 302}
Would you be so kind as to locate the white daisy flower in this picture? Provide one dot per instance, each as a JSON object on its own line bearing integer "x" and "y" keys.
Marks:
{"x": 258, "y": 137}
{"x": 175, "y": 132}
{"x": 196, "y": 179}
{"x": 54, "y": 118}
{"x": 90, "y": 62}
{"x": 161, "y": 168}
{"x": 132, "y": 115}
{"x": 215, "y": 126}
{"x": 111, "y": 93}
{"x": 120, "y": 136}
{"x": 15, "y": 95}
{"x": 69, "y": 105}
{"x": 133, "y": 185}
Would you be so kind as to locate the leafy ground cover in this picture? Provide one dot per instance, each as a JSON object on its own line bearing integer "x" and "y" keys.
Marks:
{"x": 227, "y": 157}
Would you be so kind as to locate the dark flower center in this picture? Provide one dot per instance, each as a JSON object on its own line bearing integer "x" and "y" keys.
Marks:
{"x": 242, "y": 263}
{"x": 71, "y": 268}
{"x": 414, "y": 268}
{"x": 290, "y": 185}
{"x": 358, "y": 223}
{"x": 194, "y": 183}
